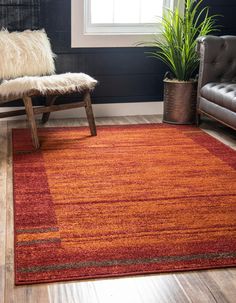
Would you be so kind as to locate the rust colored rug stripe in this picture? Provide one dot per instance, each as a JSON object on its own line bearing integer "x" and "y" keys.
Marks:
{"x": 135, "y": 199}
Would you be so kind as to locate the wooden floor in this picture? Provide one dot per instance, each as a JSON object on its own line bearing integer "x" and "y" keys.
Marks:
{"x": 195, "y": 286}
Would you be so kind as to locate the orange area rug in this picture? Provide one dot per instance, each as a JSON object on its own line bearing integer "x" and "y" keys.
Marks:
{"x": 135, "y": 199}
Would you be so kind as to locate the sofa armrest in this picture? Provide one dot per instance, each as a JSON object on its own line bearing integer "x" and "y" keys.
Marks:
{"x": 217, "y": 59}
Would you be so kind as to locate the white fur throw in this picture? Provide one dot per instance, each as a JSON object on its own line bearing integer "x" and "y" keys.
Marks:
{"x": 26, "y": 53}
{"x": 54, "y": 84}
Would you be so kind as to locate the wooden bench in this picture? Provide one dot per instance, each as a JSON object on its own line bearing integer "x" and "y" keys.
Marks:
{"x": 29, "y": 74}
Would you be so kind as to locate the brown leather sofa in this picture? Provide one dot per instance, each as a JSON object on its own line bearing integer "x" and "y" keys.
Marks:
{"x": 217, "y": 79}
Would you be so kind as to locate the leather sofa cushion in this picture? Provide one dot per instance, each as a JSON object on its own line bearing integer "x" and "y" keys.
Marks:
{"x": 223, "y": 94}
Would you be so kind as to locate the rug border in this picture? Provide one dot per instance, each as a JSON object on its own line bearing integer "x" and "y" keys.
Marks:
{"x": 126, "y": 275}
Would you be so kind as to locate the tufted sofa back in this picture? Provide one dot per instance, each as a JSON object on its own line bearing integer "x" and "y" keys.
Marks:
{"x": 217, "y": 59}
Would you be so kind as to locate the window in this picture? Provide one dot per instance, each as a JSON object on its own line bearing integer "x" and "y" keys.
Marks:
{"x": 122, "y": 16}
{"x": 114, "y": 23}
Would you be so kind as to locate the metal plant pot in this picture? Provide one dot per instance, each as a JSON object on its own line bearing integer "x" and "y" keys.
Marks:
{"x": 180, "y": 102}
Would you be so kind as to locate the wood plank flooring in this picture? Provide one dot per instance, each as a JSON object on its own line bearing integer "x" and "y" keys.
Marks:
{"x": 206, "y": 286}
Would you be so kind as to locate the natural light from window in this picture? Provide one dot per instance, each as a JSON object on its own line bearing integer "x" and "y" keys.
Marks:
{"x": 125, "y": 11}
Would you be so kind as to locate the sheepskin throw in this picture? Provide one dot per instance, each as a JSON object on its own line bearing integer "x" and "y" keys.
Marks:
{"x": 26, "y": 53}
{"x": 46, "y": 85}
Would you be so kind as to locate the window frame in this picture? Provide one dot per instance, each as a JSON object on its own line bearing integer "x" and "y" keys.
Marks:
{"x": 98, "y": 38}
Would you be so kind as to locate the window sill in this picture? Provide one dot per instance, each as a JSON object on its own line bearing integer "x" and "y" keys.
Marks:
{"x": 104, "y": 40}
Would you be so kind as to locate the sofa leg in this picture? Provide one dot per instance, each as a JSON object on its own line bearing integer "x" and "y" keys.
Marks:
{"x": 89, "y": 113}
{"x": 198, "y": 119}
{"x": 31, "y": 119}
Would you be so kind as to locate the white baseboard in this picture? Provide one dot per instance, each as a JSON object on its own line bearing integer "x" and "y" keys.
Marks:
{"x": 102, "y": 110}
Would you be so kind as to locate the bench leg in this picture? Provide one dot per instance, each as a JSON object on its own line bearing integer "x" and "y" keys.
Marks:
{"x": 89, "y": 113}
{"x": 49, "y": 101}
{"x": 31, "y": 119}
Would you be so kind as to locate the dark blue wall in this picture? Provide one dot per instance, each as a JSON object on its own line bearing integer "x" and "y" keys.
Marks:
{"x": 125, "y": 74}
{"x": 19, "y": 14}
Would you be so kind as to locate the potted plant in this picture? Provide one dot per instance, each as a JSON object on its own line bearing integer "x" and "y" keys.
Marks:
{"x": 177, "y": 49}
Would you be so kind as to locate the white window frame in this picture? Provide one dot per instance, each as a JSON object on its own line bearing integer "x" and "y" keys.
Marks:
{"x": 101, "y": 37}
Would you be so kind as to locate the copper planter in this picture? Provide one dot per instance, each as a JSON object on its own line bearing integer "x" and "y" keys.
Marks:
{"x": 180, "y": 102}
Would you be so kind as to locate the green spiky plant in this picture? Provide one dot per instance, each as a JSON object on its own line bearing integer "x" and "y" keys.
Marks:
{"x": 177, "y": 47}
